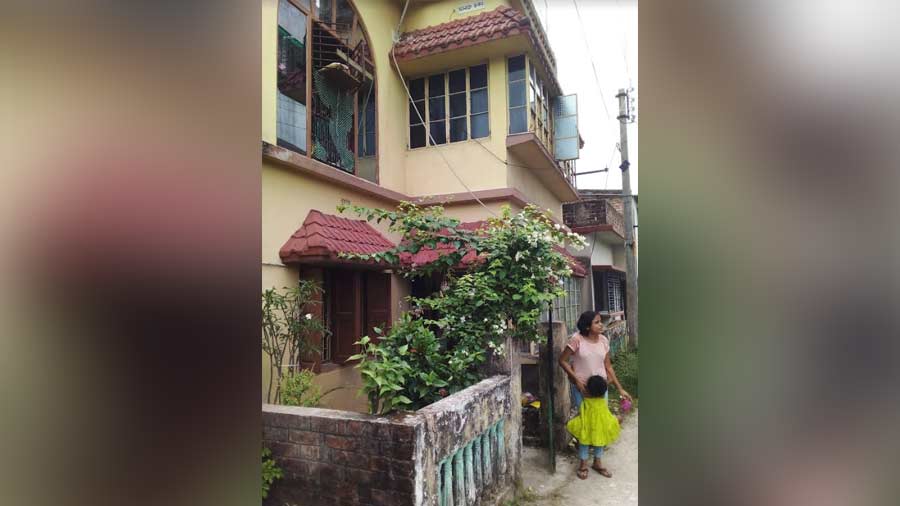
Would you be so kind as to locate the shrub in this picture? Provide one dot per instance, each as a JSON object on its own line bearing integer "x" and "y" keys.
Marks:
{"x": 516, "y": 271}
{"x": 270, "y": 472}
{"x": 289, "y": 330}
{"x": 297, "y": 389}
{"x": 626, "y": 365}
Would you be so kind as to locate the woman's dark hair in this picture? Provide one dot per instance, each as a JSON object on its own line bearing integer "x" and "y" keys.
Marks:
{"x": 596, "y": 386}
{"x": 584, "y": 322}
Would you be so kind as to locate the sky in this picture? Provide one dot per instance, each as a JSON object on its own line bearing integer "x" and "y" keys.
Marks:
{"x": 610, "y": 30}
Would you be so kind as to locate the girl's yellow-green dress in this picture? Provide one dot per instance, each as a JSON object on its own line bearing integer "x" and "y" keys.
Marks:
{"x": 595, "y": 425}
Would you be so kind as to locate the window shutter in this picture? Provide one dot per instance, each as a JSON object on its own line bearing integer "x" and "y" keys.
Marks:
{"x": 378, "y": 302}
{"x": 345, "y": 314}
{"x": 565, "y": 132}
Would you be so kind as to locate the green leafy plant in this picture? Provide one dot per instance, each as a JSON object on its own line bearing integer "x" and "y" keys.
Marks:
{"x": 626, "y": 365}
{"x": 513, "y": 268}
{"x": 298, "y": 389}
{"x": 270, "y": 472}
{"x": 290, "y": 330}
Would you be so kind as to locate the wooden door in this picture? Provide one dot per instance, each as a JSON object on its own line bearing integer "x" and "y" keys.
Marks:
{"x": 346, "y": 313}
{"x": 378, "y": 303}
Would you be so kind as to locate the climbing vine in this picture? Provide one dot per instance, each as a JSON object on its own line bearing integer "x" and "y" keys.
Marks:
{"x": 498, "y": 278}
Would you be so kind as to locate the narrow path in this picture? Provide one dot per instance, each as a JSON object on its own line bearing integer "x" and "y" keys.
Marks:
{"x": 565, "y": 489}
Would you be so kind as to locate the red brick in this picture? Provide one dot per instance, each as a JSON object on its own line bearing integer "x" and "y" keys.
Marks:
{"x": 360, "y": 477}
{"x": 308, "y": 452}
{"x": 349, "y": 459}
{"x": 358, "y": 428}
{"x": 299, "y": 468}
{"x": 379, "y": 464}
{"x": 305, "y": 437}
{"x": 340, "y": 443}
{"x": 397, "y": 451}
{"x": 403, "y": 433}
{"x": 402, "y": 469}
{"x": 271, "y": 433}
{"x": 332, "y": 476}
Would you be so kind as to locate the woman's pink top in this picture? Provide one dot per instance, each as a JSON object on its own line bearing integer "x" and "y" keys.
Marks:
{"x": 588, "y": 358}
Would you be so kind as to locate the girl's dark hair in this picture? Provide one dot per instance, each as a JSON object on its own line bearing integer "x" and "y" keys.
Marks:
{"x": 596, "y": 386}
{"x": 584, "y": 322}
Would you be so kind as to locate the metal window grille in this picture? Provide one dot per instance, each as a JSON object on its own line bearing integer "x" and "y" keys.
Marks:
{"x": 615, "y": 296}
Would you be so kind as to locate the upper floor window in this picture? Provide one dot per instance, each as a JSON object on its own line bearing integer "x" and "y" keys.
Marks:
{"x": 292, "y": 41}
{"x": 449, "y": 107}
{"x": 518, "y": 118}
{"x": 326, "y": 85}
{"x": 533, "y": 114}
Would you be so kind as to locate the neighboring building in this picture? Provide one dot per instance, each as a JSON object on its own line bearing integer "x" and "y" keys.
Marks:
{"x": 339, "y": 126}
{"x": 598, "y": 216}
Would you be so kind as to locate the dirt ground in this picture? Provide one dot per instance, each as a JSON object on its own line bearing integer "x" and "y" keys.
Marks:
{"x": 565, "y": 489}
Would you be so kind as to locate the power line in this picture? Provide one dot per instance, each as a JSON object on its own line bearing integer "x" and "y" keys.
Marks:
{"x": 624, "y": 44}
{"x": 591, "y": 57}
{"x": 606, "y": 179}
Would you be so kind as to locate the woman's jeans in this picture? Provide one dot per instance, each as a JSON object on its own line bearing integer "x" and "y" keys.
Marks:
{"x": 584, "y": 451}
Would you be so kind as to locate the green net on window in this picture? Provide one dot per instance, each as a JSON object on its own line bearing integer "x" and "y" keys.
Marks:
{"x": 332, "y": 124}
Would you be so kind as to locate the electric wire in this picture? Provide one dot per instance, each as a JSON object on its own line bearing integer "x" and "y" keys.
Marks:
{"x": 591, "y": 57}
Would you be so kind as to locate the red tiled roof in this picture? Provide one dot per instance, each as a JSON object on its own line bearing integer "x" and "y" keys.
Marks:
{"x": 578, "y": 269}
{"x": 428, "y": 255}
{"x": 324, "y": 237}
{"x": 502, "y": 22}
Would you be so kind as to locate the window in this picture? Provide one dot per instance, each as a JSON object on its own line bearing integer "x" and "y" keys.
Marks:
{"x": 479, "y": 101}
{"x": 437, "y": 109}
{"x": 356, "y": 303}
{"x": 454, "y": 106}
{"x": 518, "y": 121}
{"x": 615, "y": 293}
{"x": 365, "y": 143}
{"x": 609, "y": 291}
{"x": 539, "y": 106}
{"x": 567, "y": 308}
{"x": 326, "y": 104}
{"x": 291, "y": 114}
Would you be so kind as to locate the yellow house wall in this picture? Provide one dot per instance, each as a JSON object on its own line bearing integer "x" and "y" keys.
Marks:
{"x": 422, "y": 14}
{"x": 619, "y": 257}
{"x": 287, "y": 198}
{"x": 427, "y": 172}
{"x": 523, "y": 179}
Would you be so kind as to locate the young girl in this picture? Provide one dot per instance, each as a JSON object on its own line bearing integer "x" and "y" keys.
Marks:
{"x": 595, "y": 426}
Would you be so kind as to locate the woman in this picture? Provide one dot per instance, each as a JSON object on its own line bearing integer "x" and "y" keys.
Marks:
{"x": 588, "y": 350}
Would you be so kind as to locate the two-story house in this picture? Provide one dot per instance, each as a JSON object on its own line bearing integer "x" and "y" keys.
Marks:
{"x": 375, "y": 102}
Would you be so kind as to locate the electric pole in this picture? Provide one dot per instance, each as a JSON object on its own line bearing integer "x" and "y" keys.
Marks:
{"x": 631, "y": 290}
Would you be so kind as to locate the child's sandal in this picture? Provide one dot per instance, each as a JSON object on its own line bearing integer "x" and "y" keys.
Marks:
{"x": 582, "y": 473}
{"x": 603, "y": 471}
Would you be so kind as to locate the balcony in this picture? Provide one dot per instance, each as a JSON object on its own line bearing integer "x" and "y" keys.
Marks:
{"x": 559, "y": 177}
{"x": 595, "y": 216}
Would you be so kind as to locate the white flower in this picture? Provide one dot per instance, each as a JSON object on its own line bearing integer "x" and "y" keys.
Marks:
{"x": 557, "y": 227}
{"x": 308, "y": 316}
{"x": 462, "y": 319}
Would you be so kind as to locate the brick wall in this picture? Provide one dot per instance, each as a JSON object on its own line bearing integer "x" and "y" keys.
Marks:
{"x": 332, "y": 457}
{"x": 593, "y": 212}
{"x": 338, "y": 458}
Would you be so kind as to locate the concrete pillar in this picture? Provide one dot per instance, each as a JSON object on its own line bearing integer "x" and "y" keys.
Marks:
{"x": 509, "y": 365}
{"x": 562, "y": 401}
